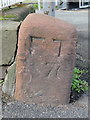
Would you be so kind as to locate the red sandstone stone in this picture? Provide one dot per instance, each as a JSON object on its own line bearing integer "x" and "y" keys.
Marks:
{"x": 45, "y": 60}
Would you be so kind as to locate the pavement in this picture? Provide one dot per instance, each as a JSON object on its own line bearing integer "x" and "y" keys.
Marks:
{"x": 18, "y": 109}
{"x": 79, "y": 109}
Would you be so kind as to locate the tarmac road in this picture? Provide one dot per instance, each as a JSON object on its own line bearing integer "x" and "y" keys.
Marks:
{"x": 79, "y": 19}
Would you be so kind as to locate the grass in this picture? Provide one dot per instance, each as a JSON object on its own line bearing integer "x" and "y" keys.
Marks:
{"x": 9, "y": 16}
{"x": 16, "y": 17}
{"x": 30, "y": 1}
{"x": 5, "y": 9}
{"x": 2, "y": 18}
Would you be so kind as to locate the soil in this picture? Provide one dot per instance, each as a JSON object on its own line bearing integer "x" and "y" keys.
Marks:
{"x": 75, "y": 96}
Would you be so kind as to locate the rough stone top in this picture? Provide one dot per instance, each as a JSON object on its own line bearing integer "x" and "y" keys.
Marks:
{"x": 40, "y": 25}
{"x": 8, "y": 25}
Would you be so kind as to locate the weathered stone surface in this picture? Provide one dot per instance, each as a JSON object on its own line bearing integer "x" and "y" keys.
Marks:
{"x": 2, "y": 72}
{"x": 8, "y": 41}
{"x": 0, "y": 104}
{"x": 1, "y": 47}
{"x": 45, "y": 60}
{"x": 9, "y": 83}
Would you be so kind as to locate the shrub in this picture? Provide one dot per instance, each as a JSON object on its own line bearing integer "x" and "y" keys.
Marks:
{"x": 35, "y": 6}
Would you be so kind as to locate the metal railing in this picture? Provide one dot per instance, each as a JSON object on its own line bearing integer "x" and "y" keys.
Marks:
{"x": 7, "y": 3}
{"x": 84, "y": 3}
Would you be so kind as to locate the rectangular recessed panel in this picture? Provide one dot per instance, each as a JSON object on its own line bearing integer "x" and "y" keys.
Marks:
{"x": 37, "y": 38}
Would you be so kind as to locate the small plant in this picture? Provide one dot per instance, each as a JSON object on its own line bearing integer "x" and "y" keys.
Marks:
{"x": 36, "y": 6}
{"x": 57, "y": 7}
{"x": 2, "y": 18}
{"x": 9, "y": 16}
{"x": 79, "y": 85}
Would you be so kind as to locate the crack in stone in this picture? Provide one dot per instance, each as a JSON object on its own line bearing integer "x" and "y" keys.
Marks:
{"x": 37, "y": 38}
{"x": 56, "y": 40}
{"x": 30, "y": 49}
{"x": 12, "y": 60}
{"x": 52, "y": 70}
{"x": 59, "y": 49}
{"x": 57, "y": 70}
{"x": 48, "y": 74}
